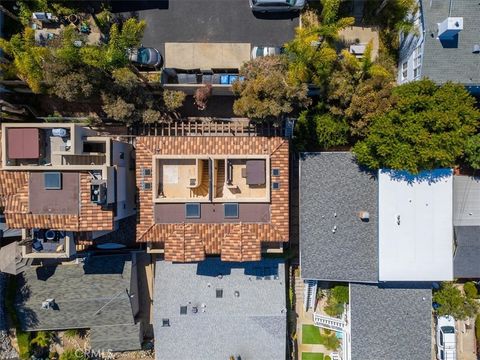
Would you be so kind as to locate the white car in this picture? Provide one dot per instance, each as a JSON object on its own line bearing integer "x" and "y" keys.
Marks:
{"x": 259, "y": 51}
{"x": 446, "y": 341}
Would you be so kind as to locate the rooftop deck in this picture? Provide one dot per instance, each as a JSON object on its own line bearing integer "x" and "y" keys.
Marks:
{"x": 211, "y": 179}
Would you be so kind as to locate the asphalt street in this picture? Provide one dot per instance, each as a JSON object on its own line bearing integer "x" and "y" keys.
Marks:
{"x": 208, "y": 21}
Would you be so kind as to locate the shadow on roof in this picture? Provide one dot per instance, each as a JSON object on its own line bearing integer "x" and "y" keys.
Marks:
{"x": 214, "y": 267}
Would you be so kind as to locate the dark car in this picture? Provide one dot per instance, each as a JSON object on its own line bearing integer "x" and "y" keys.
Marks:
{"x": 146, "y": 56}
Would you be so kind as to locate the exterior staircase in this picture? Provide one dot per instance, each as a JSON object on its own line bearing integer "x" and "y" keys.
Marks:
{"x": 328, "y": 322}
{"x": 220, "y": 179}
{"x": 309, "y": 294}
{"x": 202, "y": 190}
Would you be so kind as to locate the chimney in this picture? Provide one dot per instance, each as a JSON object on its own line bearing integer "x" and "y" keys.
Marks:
{"x": 450, "y": 27}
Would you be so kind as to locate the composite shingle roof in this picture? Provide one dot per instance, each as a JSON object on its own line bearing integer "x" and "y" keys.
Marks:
{"x": 466, "y": 201}
{"x": 229, "y": 309}
{"x": 335, "y": 243}
{"x": 391, "y": 322}
{"x": 466, "y": 263}
{"x": 451, "y": 60}
{"x": 234, "y": 241}
{"x": 95, "y": 294}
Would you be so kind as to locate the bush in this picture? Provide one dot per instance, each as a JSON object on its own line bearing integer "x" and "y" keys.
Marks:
{"x": 341, "y": 293}
{"x": 73, "y": 354}
{"x": 173, "y": 99}
{"x": 471, "y": 290}
{"x": 118, "y": 109}
{"x": 327, "y": 357}
{"x": 125, "y": 77}
{"x": 202, "y": 94}
{"x": 71, "y": 333}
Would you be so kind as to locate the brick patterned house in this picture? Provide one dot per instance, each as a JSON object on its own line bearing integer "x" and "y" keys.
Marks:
{"x": 63, "y": 185}
{"x": 212, "y": 195}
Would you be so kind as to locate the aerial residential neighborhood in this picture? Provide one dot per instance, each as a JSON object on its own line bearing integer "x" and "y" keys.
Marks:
{"x": 240, "y": 180}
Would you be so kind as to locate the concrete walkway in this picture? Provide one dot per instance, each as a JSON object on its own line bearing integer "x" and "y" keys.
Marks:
{"x": 466, "y": 340}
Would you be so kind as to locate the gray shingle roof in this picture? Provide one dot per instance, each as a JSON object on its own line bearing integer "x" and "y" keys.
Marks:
{"x": 333, "y": 189}
{"x": 115, "y": 337}
{"x": 90, "y": 295}
{"x": 252, "y": 325}
{"x": 390, "y": 323}
{"x": 466, "y": 200}
{"x": 450, "y": 62}
{"x": 466, "y": 262}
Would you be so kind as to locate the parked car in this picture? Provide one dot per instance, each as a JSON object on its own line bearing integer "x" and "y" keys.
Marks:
{"x": 446, "y": 339}
{"x": 146, "y": 56}
{"x": 265, "y": 6}
{"x": 259, "y": 51}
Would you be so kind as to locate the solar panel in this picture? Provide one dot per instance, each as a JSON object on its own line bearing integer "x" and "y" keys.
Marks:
{"x": 53, "y": 180}
{"x": 183, "y": 310}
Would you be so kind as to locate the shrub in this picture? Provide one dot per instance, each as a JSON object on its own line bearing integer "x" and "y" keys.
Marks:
{"x": 472, "y": 152}
{"x": 471, "y": 290}
{"x": 71, "y": 333}
{"x": 173, "y": 99}
{"x": 72, "y": 354}
{"x": 202, "y": 94}
{"x": 125, "y": 77}
{"x": 453, "y": 302}
{"x": 327, "y": 357}
{"x": 118, "y": 109}
{"x": 151, "y": 116}
{"x": 341, "y": 293}
{"x": 42, "y": 339}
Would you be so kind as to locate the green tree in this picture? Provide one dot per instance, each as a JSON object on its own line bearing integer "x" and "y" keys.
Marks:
{"x": 125, "y": 78}
{"x": 453, "y": 302}
{"x": 266, "y": 92}
{"x": 118, "y": 109}
{"x": 73, "y": 86}
{"x": 427, "y": 127}
{"x": 472, "y": 151}
{"x": 27, "y": 57}
{"x": 331, "y": 130}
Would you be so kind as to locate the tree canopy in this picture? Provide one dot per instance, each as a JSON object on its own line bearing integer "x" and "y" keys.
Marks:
{"x": 266, "y": 91}
{"x": 453, "y": 302}
{"x": 427, "y": 127}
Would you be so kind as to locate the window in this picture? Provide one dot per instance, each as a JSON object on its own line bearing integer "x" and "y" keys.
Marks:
{"x": 231, "y": 210}
{"x": 276, "y": 172}
{"x": 53, "y": 181}
{"x": 275, "y": 185}
{"x": 404, "y": 70}
{"x": 147, "y": 186}
{"x": 219, "y": 293}
{"x": 146, "y": 171}
{"x": 192, "y": 211}
{"x": 165, "y": 322}
{"x": 183, "y": 310}
{"x": 417, "y": 62}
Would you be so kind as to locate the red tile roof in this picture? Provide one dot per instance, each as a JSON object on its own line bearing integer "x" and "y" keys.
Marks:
{"x": 14, "y": 196}
{"x": 233, "y": 241}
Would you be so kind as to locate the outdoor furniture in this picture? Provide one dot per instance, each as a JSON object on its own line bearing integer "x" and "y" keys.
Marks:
{"x": 358, "y": 50}
{"x": 37, "y": 246}
{"x": 255, "y": 172}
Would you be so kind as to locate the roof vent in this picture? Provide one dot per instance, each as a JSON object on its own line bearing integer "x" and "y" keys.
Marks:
{"x": 476, "y": 49}
{"x": 194, "y": 309}
{"x": 48, "y": 304}
{"x": 236, "y": 293}
{"x": 450, "y": 27}
{"x": 364, "y": 215}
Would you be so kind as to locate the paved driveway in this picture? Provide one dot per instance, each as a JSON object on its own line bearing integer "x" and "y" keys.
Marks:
{"x": 208, "y": 21}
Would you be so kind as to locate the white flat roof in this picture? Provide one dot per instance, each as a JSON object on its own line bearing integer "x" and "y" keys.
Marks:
{"x": 415, "y": 226}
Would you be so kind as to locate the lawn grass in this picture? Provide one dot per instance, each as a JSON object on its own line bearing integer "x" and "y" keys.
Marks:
{"x": 311, "y": 335}
{"x": 312, "y": 356}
